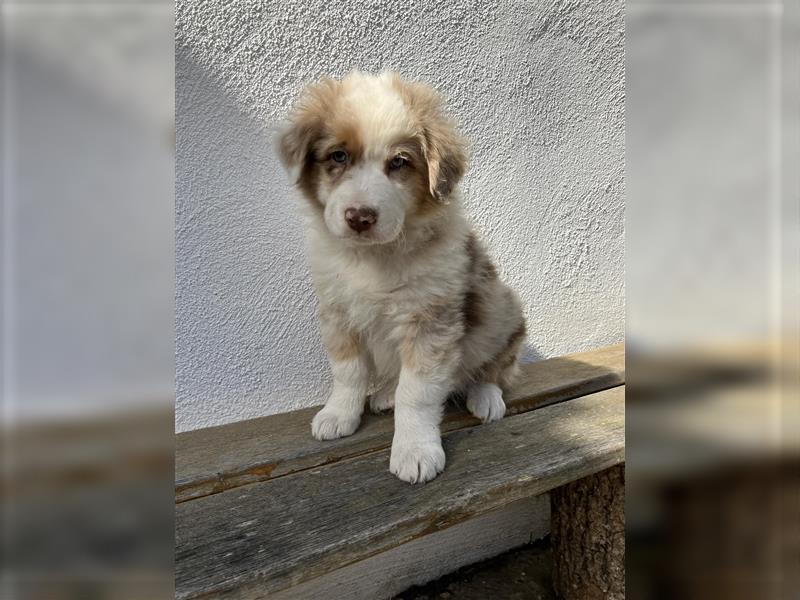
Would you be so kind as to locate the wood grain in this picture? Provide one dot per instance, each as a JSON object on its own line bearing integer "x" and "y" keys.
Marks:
{"x": 255, "y": 540}
{"x": 587, "y": 537}
{"x": 431, "y": 557}
{"x": 215, "y": 459}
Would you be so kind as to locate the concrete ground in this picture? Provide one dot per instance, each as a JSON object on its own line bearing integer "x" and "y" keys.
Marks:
{"x": 523, "y": 573}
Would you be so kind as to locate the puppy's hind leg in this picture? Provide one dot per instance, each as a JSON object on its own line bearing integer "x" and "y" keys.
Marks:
{"x": 485, "y": 401}
{"x": 383, "y": 399}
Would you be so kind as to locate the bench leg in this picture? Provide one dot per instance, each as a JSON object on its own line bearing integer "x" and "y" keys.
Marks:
{"x": 587, "y": 532}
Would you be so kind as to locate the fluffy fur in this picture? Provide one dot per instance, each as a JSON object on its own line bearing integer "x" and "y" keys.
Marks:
{"x": 410, "y": 305}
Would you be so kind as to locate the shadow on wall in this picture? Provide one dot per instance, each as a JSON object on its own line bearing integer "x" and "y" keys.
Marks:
{"x": 530, "y": 354}
{"x": 245, "y": 309}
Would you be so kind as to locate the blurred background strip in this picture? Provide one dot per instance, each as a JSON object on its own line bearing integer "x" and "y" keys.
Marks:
{"x": 88, "y": 289}
{"x": 713, "y": 492}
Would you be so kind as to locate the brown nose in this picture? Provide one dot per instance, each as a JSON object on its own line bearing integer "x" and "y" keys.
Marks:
{"x": 360, "y": 219}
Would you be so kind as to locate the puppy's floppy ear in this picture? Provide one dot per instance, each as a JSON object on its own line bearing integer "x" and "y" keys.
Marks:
{"x": 444, "y": 149}
{"x": 305, "y": 125}
{"x": 293, "y": 143}
{"x": 447, "y": 159}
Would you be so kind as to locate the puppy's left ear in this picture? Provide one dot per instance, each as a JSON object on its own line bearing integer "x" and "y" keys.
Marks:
{"x": 444, "y": 149}
{"x": 446, "y": 152}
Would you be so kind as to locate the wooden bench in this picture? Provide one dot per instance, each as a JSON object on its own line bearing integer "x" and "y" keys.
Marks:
{"x": 264, "y": 510}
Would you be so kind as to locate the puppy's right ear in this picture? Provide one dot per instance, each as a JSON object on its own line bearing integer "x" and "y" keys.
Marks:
{"x": 305, "y": 125}
{"x": 293, "y": 144}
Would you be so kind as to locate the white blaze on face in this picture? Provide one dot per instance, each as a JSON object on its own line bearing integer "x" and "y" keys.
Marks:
{"x": 381, "y": 119}
{"x": 367, "y": 186}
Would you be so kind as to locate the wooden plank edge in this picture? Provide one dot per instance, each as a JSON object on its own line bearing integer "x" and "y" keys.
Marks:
{"x": 426, "y": 559}
{"x": 454, "y": 420}
{"x": 199, "y": 488}
{"x": 492, "y": 502}
{"x": 573, "y": 464}
{"x": 255, "y": 588}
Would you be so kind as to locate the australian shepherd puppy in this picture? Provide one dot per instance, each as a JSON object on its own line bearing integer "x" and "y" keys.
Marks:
{"x": 410, "y": 305}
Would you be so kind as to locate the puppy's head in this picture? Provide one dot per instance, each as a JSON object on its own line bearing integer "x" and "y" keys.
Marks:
{"x": 374, "y": 154}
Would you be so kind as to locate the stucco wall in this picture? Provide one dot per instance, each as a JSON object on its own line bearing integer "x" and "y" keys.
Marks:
{"x": 539, "y": 90}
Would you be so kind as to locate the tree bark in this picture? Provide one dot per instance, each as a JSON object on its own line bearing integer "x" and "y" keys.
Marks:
{"x": 588, "y": 537}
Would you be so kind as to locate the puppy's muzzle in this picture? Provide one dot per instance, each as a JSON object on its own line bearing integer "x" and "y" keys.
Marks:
{"x": 360, "y": 219}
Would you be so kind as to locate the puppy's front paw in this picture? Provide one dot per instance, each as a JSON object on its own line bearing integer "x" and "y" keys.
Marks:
{"x": 329, "y": 424}
{"x": 382, "y": 400}
{"x": 485, "y": 401}
{"x": 417, "y": 463}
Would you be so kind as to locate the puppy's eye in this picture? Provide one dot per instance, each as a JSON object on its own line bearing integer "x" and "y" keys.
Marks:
{"x": 397, "y": 162}
{"x": 339, "y": 156}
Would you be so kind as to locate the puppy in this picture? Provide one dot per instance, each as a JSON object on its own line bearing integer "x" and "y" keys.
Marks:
{"x": 410, "y": 305}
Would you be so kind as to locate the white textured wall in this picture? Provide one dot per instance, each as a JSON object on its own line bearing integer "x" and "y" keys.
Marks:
{"x": 539, "y": 90}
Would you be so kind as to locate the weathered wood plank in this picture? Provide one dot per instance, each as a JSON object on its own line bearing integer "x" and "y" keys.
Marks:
{"x": 211, "y": 460}
{"x": 431, "y": 557}
{"x": 252, "y": 541}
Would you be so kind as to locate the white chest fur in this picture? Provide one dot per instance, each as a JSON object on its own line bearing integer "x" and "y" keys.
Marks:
{"x": 379, "y": 295}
